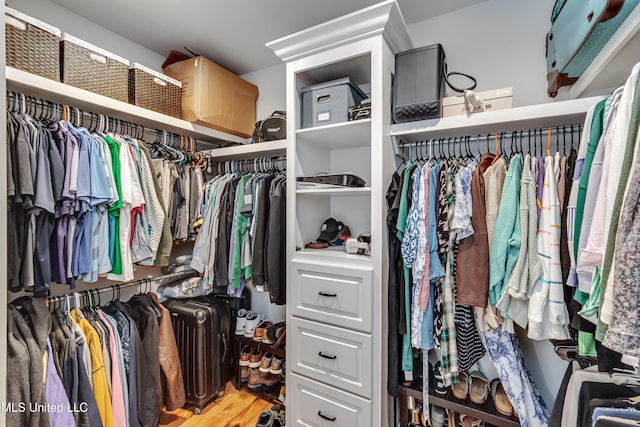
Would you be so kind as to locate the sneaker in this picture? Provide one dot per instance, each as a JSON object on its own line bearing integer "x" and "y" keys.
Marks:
{"x": 244, "y": 374}
{"x": 268, "y": 379}
{"x": 254, "y": 379}
{"x": 267, "y": 418}
{"x": 241, "y": 321}
{"x": 276, "y": 365}
{"x": 245, "y": 353}
{"x": 439, "y": 386}
{"x": 282, "y": 397}
{"x": 265, "y": 363}
{"x": 261, "y": 330}
{"x": 253, "y": 320}
{"x": 255, "y": 358}
{"x": 273, "y": 333}
{"x": 279, "y": 420}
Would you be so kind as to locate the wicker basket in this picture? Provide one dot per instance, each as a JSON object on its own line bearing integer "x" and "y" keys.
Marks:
{"x": 155, "y": 91}
{"x": 32, "y": 45}
{"x": 91, "y": 68}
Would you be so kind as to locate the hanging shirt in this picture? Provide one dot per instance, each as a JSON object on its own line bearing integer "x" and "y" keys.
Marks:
{"x": 514, "y": 301}
{"x": 506, "y": 239}
{"x": 548, "y": 316}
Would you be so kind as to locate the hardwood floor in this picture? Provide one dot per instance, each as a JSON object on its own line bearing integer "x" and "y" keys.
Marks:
{"x": 237, "y": 408}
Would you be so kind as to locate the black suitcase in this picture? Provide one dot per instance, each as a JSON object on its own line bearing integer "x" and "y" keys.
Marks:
{"x": 203, "y": 330}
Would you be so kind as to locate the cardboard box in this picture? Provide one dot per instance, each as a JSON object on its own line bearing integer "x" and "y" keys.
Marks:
{"x": 497, "y": 99}
{"x": 215, "y": 97}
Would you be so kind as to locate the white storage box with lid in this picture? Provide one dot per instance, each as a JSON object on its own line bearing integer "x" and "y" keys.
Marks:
{"x": 329, "y": 102}
{"x": 497, "y": 99}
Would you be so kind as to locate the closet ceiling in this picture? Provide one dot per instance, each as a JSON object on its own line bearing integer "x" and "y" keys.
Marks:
{"x": 232, "y": 32}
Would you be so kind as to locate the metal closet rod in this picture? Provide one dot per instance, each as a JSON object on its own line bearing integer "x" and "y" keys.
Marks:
{"x": 114, "y": 289}
{"x": 43, "y": 109}
{"x": 258, "y": 164}
{"x": 526, "y": 133}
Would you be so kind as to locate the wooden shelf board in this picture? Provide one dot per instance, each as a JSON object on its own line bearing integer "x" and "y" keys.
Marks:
{"x": 486, "y": 412}
{"x": 341, "y": 191}
{"x": 520, "y": 118}
{"x": 41, "y": 87}
{"x": 611, "y": 67}
{"x": 250, "y": 151}
{"x": 336, "y": 136}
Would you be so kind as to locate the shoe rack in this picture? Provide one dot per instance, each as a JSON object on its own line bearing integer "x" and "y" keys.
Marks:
{"x": 270, "y": 393}
{"x": 486, "y": 412}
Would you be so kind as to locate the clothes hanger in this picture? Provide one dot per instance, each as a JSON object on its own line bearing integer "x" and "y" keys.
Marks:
{"x": 498, "y": 154}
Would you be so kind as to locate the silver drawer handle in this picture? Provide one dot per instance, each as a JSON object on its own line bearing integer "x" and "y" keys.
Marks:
{"x": 326, "y": 356}
{"x": 320, "y": 414}
{"x": 325, "y": 294}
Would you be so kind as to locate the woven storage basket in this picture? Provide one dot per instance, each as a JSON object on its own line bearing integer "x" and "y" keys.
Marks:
{"x": 32, "y": 45}
{"x": 91, "y": 68}
{"x": 155, "y": 91}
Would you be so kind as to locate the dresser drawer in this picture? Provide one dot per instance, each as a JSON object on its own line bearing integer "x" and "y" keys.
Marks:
{"x": 331, "y": 355}
{"x": 315, "y": 404}
{"x": 330, "y": 294}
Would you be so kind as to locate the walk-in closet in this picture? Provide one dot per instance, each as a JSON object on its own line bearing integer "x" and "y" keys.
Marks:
{"x": 358, "y": 214}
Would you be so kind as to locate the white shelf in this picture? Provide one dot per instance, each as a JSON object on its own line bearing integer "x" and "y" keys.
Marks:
{"x": 611, "y": 67}
{"x": 351, "y": 192}
{"x": 41, "y": 87}
{"x": 530, "y": 117}
{"x": 250, "y": 151}
{"x": 333, "y": 254}
{"x": 336, "y": 136}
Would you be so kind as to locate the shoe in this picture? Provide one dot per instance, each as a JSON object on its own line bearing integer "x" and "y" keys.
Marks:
{"x": 500, "y": 398}
{"x": 245, "y": 353}
{"x": 282, "y": 342}
{"x": 265, "y": 363}
{"x": 253, "y": 320}
{"x": 468, "y": 421}
{"x": 254, "y": 378}
{"x": 261, "y": 329}
{"x": 478, "y": 387}
{"x": 282, "y": 397}
{"x": 273, "y": 333}
{"x": 439, "y": 386}
{"x": 438, "y": 416}
{"x": 276, "y": 365}
{"x": 268, "y": 417}
{"x": 244, "y": 374}
{"x": 416, "y": 414}
{"x": 269, "y": 379}
{"x": 241, "y": 321}
{"x": 255, "y": 358}
{"x": 279, "y": 419}
{"x": 461, "y": 388}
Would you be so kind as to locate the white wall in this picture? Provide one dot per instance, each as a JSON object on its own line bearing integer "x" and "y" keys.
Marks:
{"x": 271, "y": 84}
{"x": 80, "y": 27}
{"x": 500, "y": 42}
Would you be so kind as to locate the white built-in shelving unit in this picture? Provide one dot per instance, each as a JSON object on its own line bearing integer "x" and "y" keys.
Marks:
{"x": 336, "y": 302}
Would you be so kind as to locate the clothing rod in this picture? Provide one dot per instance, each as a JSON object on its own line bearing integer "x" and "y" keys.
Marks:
{"x": 118, "y": 286}
{"x": 257, "y": 164}
{"x": 40, "y": 108}
{"x": 525, "y": 133}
